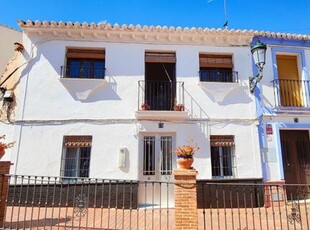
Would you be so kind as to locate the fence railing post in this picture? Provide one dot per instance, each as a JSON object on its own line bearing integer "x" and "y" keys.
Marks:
{"x": 185, "y": 195}
{"x": 4, "y": 186}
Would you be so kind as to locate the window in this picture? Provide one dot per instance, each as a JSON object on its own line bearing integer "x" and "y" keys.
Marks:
{"x": 157, "y": 148}
{"x": 85, "y": 63}
{"x": 216, "y": 68}
{"x": 222, "y": 156}
{"x": 76, "y": 156}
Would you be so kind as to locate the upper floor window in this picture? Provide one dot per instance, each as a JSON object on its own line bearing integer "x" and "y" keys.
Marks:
{"x": 216, "y": 68}
{"x": 84, "y": 63}
{"x": 76, "y": 156}
{"x": 222, "y": 156}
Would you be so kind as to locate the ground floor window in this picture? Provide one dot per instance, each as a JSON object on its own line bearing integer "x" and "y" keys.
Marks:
{"x": 222, "y": 156}
{"x": 76, "y": 156}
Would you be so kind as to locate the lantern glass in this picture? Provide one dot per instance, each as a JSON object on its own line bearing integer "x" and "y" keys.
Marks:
{"x": 259, "y": 54}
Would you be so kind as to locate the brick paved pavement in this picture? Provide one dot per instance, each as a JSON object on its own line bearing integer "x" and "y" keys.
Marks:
{"x": 96, "y": 218}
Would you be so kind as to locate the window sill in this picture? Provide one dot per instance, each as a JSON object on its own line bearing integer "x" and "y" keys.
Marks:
{"x": 291, "y": 109}
{"x": 82, "y": 88}
{"x": 161, "y": 115}
{"x": 219, "y": 90}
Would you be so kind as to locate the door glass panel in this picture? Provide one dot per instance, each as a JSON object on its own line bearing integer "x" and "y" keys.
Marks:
{"x": 99, "y": 69}
{"x": 149, "y": 155}
{"x": 73, "y": 69}
{"x": 86, "y": 69}
{"x": 166, "y": 155}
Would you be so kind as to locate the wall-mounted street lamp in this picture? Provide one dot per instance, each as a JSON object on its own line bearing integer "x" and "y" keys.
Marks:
{"x": 259, "y": 56}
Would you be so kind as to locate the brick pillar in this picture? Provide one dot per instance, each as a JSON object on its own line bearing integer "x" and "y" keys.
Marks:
{"x": 4, "y": 186}
{"x": 185, "y": 195}
{"x": 274, "y": 193}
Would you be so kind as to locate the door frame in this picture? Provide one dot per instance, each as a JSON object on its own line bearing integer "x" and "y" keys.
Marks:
{"x": 281, "y": 161}
{"x": 295, "y": 97}
{"x": 157, "y": 175}
{"x": 153, "y": 83}
{"x": 155, "y": 190}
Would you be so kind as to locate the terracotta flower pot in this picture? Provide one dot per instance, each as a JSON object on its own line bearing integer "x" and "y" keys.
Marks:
{"x": 185, "y": 163}
{"x": 2, "y": 152}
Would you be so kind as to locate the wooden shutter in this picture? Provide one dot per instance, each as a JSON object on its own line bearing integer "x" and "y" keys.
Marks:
{"x": 77, "y": 141}
{"x": 222, "y": 140}
{"x": 153, "y": 57}
{"x": 215, "y": 61}
{"x": 85, "y": 53}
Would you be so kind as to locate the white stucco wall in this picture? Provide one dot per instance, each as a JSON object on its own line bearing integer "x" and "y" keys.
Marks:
{"x": 49, "y": 110}
{"x": 7, "y": 130}
{"x": 121, "y": 92}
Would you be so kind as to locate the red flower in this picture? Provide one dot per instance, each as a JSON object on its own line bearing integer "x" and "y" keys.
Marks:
{"x": 187, "y": 150}
{"x": 5, "y": 145}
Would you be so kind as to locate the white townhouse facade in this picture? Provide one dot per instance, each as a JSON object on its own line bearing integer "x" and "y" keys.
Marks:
{"x": 111, "y": 101}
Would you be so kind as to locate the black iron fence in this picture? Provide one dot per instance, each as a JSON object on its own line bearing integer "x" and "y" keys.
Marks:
{"x": 292, "y": 93}
{"x": 161, "y": 95}
{"x": 35, "y": 202}
{"x": 253, "y": 206}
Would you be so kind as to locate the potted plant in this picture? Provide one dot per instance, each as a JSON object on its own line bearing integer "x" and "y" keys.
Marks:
{"x": 145, "y": 106}
{"x": 179, "y": 107}
{"x": 185, "y": 154}
{"x": 4, "y": 146}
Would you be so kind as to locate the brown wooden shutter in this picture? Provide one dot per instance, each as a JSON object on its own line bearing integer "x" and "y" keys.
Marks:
{"x": 77, "y": 141}
{"x": 153, "y": 57}
{"x": 215, "y": 61}
{"x": 222, "y": 140}
{"x": 85, "y": 53}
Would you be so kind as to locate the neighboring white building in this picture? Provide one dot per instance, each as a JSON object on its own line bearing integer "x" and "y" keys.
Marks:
{"x": 81, "y": 107}
{"x": 8, "y": 36}
{"x": 284, "y": 109}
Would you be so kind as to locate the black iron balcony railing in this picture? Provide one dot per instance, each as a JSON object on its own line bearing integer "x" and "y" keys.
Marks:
{"x": 218, "y": 75}
{"x": 82, "y": 72}
{"x": 160, "y": 95}
{"x": 292, "y": 93}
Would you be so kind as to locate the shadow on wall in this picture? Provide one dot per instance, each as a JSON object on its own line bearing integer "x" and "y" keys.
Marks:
{"x": 226, "y": 93}
{"x": 93, "y": 90}
{"x": 106, "y": 92}
{"x": 240, "y": 95}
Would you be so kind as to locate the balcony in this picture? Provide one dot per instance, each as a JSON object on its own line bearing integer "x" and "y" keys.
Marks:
{"x": 161, "y": 100}
{"x": 218, "y": 83}
{"x": 81, "y": 82}
{"x": 218, "y": 75}
{"x": 83, "y": 72}
{"x": 292, "y": 94}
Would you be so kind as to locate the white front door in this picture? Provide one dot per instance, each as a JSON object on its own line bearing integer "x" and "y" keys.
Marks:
{"x": 157, "y": 162}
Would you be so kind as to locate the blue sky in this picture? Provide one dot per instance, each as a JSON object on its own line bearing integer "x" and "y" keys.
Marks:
{"x": 290, "y": 16}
